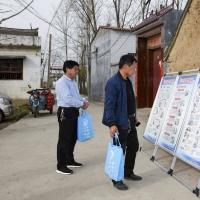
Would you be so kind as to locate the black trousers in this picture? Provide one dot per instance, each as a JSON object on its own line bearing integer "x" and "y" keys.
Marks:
{"x": 67, "y": 135}
{"x": 130, "y": 145}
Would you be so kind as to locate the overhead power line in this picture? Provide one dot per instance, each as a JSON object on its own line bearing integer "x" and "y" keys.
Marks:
{"x": 122, "y": 44}
{"x": 122, "y": 33}
{"x": 44, "y": 20}
{"x": 50, "y": 26}
{"x": 4, "y": 19}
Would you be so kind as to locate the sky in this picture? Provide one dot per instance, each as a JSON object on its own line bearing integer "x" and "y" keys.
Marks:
{"x": 45, "y": 8}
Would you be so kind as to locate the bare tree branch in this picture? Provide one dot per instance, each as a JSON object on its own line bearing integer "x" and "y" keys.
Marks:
{"x": 125, "y": 13}
{"x": 86, "y": 13}
{"x": 4, "y": 19}
{"x": 117, "y": 11}
{"x": 4, "y": 11}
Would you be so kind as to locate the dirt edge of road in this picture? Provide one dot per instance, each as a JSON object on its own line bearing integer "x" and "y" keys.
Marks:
{"x": 20, "y": 110}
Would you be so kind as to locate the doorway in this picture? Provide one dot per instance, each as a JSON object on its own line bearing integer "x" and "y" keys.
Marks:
{"x": 156, "y": 70}
{"x": 154, "y": 75}
{"x": 149, "y": 76}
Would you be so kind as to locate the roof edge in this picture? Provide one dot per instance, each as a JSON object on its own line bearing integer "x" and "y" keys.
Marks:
{"x": 18, "y": 29}
{"x": 110, "y": 28}
{"x": 153, "y": 17}
{"x": 115, "y": 28}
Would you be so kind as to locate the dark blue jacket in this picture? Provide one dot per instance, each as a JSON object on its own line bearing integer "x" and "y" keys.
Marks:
{"x": 115, "y": 105}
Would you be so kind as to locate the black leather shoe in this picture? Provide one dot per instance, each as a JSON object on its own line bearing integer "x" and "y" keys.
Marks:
{"x": 120, "y": 185}
{"x": 133, "y": 177}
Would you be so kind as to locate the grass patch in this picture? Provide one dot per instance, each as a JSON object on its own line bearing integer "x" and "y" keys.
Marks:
{"x": 22, "y": 111}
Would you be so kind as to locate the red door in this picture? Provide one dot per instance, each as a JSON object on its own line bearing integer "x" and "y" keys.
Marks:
{"x": 156, "y": 70}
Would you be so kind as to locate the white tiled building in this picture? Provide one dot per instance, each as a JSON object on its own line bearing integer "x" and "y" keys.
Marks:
{"x": 20, "y": 58}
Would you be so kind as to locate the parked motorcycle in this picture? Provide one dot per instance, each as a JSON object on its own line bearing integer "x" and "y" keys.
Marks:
{"x": 40, "y": 99}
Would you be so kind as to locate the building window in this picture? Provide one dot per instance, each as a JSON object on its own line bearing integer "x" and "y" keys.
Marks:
{"x": 11, "y": 69}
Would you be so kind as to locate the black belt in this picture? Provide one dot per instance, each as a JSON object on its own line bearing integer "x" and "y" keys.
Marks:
{"x": 132, "y": 115}
{"x": 74, "y": 108}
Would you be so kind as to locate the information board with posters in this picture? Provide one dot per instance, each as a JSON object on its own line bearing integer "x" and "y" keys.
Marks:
{"x": 189, "y": 144}
{"x": 176, "y": 112}
{"x": 159, "y": 108}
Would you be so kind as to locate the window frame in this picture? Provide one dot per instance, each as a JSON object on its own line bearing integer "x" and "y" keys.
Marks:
{"x": 14, "y": 66}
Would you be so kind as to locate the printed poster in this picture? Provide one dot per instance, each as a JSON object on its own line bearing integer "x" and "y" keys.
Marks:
{"x": 159, "y": 108}
{"x": 176, "y": 112}
{"x": 189, "y": 144}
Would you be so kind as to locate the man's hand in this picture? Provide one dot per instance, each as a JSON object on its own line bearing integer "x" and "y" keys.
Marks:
{"x": 85, "y": 105}
{"x": 113, "y": 130}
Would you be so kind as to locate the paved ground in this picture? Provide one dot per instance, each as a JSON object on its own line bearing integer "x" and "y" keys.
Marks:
{"x": 28, "y": 165}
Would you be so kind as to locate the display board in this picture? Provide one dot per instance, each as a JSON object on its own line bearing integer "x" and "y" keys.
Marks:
{"x": 189, "y": 144}
{"x": 159, "y": 108}
{"x": 176, "y": 112}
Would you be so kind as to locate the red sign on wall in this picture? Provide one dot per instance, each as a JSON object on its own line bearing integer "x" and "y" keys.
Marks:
{"x": 154, "y": 41}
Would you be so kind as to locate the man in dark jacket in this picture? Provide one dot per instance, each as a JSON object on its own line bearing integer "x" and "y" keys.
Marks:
{"x": 120, "y": 115}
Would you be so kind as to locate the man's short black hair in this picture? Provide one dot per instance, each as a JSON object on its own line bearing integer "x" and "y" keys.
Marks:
{"x": 127, "y": 59}
{"x": 69, "y": 64}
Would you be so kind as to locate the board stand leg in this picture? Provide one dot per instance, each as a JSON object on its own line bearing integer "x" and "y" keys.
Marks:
{"x": 170, "y": 172}
{"x": 196, "y": 190}
{"x": 143, "y": 151}
{"x": 153, "y": 159}
{"x": 154, "y": 153}
{"x": 142, "y": 144}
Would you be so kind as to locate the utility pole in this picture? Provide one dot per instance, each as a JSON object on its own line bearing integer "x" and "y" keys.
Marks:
{"x": 88, "y": 48}
{"x": 49, "y": 62}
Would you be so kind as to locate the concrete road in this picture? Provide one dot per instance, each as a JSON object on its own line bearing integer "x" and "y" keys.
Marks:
{"x": 28, "y": 165}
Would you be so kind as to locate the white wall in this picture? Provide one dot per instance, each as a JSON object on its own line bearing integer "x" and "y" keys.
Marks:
{"x": 111, "y": 46}
{"x": 20, "y": 40}
{"x": 123, "y": 42}
{"x": 100, "y": 66}
{"x": 17, "y": 89}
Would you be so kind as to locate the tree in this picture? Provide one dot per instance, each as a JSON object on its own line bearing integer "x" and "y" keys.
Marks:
{"x": 88, "y": 14}
{"x": 179, "y": 4}
{"x": 121, "y": 11}
{"x": 11, "y": 16}
{"x": 145, "y": 4}
{"x": 64, "y": 21}
{"x": 79, "y": 21}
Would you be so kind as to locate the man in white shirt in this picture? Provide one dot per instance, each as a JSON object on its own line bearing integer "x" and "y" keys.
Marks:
{"x": 69, "y": 101}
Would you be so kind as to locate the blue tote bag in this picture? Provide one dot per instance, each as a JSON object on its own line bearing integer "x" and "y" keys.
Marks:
{"x": 114, "y": 166}
{"x": 85, "y": 129}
